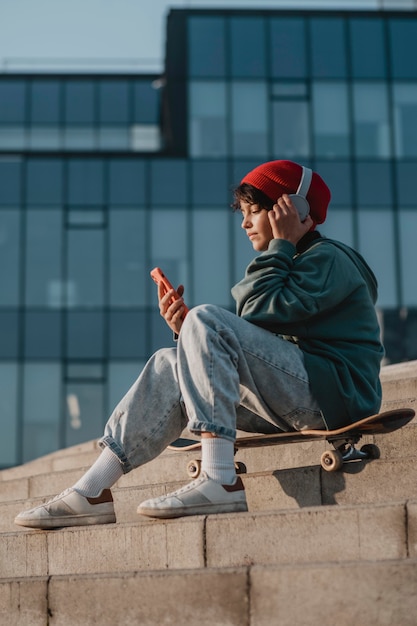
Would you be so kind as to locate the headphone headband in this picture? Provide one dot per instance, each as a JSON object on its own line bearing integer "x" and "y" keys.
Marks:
{"x": 305, "y": 181}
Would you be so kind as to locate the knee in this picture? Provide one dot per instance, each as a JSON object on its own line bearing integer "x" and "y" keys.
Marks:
{"x": 200, "y": 317}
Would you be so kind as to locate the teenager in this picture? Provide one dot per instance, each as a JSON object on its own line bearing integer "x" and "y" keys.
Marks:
{"x": 302, "y": 351}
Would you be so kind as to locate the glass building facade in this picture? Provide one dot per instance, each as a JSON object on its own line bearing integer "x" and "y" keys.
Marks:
{"x": 102, "y": 177}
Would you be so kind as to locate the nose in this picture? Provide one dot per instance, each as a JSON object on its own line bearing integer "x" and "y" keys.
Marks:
{"x": 246, "y": 223}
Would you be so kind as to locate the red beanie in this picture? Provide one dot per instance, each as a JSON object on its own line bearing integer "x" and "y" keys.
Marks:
{"x": 278, "y": 177}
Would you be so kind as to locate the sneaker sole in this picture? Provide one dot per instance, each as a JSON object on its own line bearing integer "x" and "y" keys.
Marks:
{"x": 63, "y": 522}
{"x": 208, "y": 509}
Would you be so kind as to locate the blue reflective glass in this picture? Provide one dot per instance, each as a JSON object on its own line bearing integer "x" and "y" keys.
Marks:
{"x": 10, "y": 181}
{"x": 45, "y": 101}
{"x": 288, "y": 47}
{"x": 403, "y": 47}
{"x": 85, "y": 265}
{"x": 338, "y": 176}
{"x": 328, "y": 51}
{"x": 209, "y": 183}
{"x": 9, "y": 334}
{"x": 206, "y": 46}
{"x": 146, "y": 102}
{"x": 12, "y": 100}
{"x": 85, "y": 337}
{"x": 85, "y": 182}
{"x": 10, "y": 257}
{"x": 128, "y": 334}
{"x": 44, "y": 182}
{"x": 406, "y": 183}
{"x": 169, "y": 182}
{"x": 42, "y": 335}
{"x": 127, "y": 182}
{"x": 79, "y": 103}
{"x": 8, "y": 414}
{"x": 114, "y": 105}
{"x": 247, "y": 47}
{"x": 367, "y": 48}
{"x": 373, "y": 183}
{"x": 84, "y": 412}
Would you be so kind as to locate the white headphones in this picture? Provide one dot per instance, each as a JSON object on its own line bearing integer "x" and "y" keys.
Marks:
{"x": 299, "y": 199}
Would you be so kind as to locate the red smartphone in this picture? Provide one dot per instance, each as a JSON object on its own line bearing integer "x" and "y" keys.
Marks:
{"x": 159, "y": 277}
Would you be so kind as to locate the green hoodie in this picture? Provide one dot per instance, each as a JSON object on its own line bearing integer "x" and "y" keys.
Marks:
{"x": 322, "y": 296}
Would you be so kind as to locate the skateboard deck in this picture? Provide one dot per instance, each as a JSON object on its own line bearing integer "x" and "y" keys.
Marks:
{"x": 343, "y": 440}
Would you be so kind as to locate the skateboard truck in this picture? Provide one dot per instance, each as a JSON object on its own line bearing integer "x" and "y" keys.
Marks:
{"x": 346, "y": 451}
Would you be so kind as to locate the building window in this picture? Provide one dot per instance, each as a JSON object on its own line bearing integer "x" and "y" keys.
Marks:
{"x": 247, "y": 47}
{"x": 288, "y": 47}
{"x": 331, "y": 119}
{"x": 206, "y": 47}
{"x": 405, "y": 119}
{"x": 371, "y": 120}
{"x": 249, "y": 119}
{"x": 290, "y": 120}
{"x": 207, "y": 123}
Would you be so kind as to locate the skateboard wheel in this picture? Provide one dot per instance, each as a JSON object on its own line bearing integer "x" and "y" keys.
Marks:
{"x": 194, "y": 468}
{"x": 331, "y": 460}
{"x": 240, "y": 467}
{"x": 371, "y": 450}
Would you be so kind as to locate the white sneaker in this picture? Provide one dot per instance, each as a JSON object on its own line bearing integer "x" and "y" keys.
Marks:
{"x": 201, "y": 497}
{"x": 70, "y": 508}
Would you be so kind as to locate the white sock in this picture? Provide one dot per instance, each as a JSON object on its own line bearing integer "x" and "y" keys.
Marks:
{"x": 104, "y": 472}
{"x": 218, "y": 459}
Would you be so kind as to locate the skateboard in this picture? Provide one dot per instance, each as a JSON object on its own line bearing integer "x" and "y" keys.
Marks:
{"x": 343, "y": 440}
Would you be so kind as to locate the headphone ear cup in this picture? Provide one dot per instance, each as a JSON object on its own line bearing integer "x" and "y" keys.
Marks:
{"x": 301, "y": 204}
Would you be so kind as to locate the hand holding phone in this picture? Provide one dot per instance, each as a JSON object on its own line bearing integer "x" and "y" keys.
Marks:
{"x": 160, "y": 279}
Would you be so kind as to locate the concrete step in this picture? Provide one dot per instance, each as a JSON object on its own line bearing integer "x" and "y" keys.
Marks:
{"x": 374, "y": 593}
{"x": 314, "y": 534}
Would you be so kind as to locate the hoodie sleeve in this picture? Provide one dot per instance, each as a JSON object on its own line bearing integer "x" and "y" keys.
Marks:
{"x": 282, "y": 288}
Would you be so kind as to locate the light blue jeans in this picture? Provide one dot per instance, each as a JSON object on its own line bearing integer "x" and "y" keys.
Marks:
{"x": 225, "y": 373}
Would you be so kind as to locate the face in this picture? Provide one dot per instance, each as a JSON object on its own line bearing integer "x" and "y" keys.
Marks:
{"x": 256, "y": 223}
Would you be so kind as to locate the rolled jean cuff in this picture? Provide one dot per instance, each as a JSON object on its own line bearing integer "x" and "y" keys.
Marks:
{"x": 215, "y": 429}
{"x": 118, "y": 451}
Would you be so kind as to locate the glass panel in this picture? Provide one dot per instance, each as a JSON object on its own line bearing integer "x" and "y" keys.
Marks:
{"x": 41, "y": 409}
{"x": 403, "y": 47}
{"x": 247, "y": 49}
{"x": 113, "y": 101}
{"x": 339, "y": 226}
{"x": 206, "y": 46}
{"x": 127, "y": 182}
{"x": 408, "y": 255}
{"x": 79, "y": 138}
{"x": 169, "y": 182}
{"x": 85, "y": 182}
{"x": 13, "y": 137}
{"x": 367, "y": 48}
{"x": 84, "y": 415}
{"x": 85, "y": 268}
{"x": 42, "y": 335}
{"x": 85, "y": 371}
{"x": 121, "y": 378}
{"x": 44, "y": 181}
{"x": 207, "y": 125}
{"x": 9, "y": 257}
{"x": 209, "y": 183}
{"x": 288, "y": 48}
{"x": 406, "y": 183}
{"x": 379, "y": 251}
{"x": 85, "y": 217}
{"x": 169, "y": 244}
{"x": 43, "y": 272}
{"x": 330, "y": 114}
{"x": 328, "y": 53}
{"x": 45, "y": 101}
{"x": 405, "y": 119}
{"x": 44, "y": 138}
{"x": 8, "y": 414}
{"x": 249, "y": 119}
{"x": 9, "y": 334}
{"x": 85, "y": 335}
{"x": 371, "y": 120}
{"x": 12, "y": 100}
{"x": 146, "y": 102}
{"x": 338, "y": 177}
{"x": 10, "y": 181}
{"x": 160, "y": 335}
{"x": 128, "y": 334}
{"x": 79, "y": 106}
{"x": 113, "y": 138}
{"x": 128, "y": 268}
{"x": 291, "y": 132}
{"x": 211, "y": 256}
{"x": 374, "y": 184}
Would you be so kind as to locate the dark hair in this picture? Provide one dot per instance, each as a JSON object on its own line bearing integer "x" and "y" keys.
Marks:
{"x": 252, "y": 195}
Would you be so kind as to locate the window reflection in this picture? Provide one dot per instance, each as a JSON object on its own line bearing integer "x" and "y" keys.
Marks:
{"x": 331, "y": 121}
{"x": 328, "y": 53}
{"x": 249, "y": 120}
{"x": 368, "y": 55}
{"x": 288, "y": 47}
{"x": 405, "y": 119}
{"x": 10, "y": 257}
{"x": 207, "y": 122}
{"x": 8, "y": 414}
{"x": 206, "y": 51}
{"x": 371, "y": 120}
{"x": 247, "y": 54}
